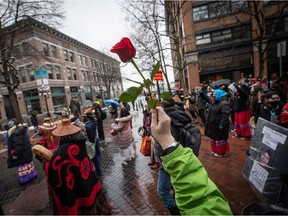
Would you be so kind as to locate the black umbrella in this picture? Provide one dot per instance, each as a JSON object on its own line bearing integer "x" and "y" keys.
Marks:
{"x": 219, "y": 83}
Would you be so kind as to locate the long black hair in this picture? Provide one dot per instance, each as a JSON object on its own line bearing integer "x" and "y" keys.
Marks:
{"x": 124, "y": 112}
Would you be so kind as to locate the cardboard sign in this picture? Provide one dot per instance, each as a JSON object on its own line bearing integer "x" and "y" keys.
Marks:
{"x": 268, "y": 160}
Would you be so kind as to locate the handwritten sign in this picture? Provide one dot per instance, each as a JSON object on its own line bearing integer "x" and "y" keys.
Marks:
{"x": 269, "y": 141}
{"x": 273, "y": 134}
{"x": 258, "y": 176}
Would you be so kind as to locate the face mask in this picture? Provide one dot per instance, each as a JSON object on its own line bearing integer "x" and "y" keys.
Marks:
{"x": 274, "y": 104}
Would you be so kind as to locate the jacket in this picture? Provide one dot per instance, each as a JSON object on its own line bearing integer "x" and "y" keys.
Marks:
{"x": 218, "y": 115}
{"x": 179, "y": 119}
{"x": 124, "y": 133}
{"x": 18, "y": 143}
{"x": 241, "y": 99}
{"x": 195, "y": 193}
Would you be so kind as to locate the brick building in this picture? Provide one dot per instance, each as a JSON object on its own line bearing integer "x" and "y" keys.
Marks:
{"x": 224, "y": 39}
{"x": 64, "y": 67}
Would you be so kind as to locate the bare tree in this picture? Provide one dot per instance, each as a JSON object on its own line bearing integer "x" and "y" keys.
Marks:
{"x": 148, "y": 22}
{"x": 109, "y": 74}
{"x": 13, "y": 14}
{"x": 256, "y": 18}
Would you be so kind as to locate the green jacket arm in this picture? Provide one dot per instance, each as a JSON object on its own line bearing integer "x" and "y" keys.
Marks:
{"x": 195, "y": 193}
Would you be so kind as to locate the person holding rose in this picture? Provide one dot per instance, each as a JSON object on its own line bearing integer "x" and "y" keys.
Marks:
{"x": 195, "y": 193}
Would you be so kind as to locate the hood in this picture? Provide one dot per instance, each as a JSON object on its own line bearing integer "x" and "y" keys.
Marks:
{"x": 178, "y": 117}
{"x": 20, "y": 129}
{"x": 125, "y": 119}
{"x": 219, "y": 93}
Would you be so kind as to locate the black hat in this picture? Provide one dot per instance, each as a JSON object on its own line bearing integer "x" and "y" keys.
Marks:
{"x": 272, "y": 94}
{"x": 88, "y": 114}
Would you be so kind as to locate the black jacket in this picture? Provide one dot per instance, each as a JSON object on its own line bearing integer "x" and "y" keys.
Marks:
{"x": 179, "y": 118}
{"x": 218, "y": 114}
{"x": 18, "y": 141}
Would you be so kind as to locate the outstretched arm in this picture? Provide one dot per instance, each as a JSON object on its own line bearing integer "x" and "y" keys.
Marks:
{"x": 195, "y": 193}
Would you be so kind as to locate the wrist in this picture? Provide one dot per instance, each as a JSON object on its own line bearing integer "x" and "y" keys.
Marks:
{"x": 171, "y": 141}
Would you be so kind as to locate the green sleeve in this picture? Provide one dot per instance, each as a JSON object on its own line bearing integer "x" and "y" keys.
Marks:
{"x": 195, "y": 193}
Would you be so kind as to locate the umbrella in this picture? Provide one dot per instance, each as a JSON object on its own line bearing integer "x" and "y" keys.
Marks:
{"x": 219, "y": 83}
{"x": 109, "y": 102}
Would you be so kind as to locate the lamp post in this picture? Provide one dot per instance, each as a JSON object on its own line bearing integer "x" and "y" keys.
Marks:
{"x": 101, "y": 91}
{"x": 45, "y": 92}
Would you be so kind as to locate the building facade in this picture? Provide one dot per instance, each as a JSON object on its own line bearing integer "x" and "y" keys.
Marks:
{"x": 54, "y": 68}
{"x": 226, "y": 39}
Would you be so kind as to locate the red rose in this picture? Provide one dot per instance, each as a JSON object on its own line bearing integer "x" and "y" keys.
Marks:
{"x": 124, "y": 49}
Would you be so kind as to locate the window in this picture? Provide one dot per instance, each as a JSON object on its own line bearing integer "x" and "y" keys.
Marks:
{"x": 91, "y": 62}
{"x": 69, "y": 75}
{"x": 203, "y": 39}
{"x": 81, "y": 59}
{"x": 218, "y": 8}
{"x": 84, "y": 60}
{"x": 200, "y": 13}
{"x": 22, "y": 72}
{"x": 46, "y": 49}
{"x": 71, "y": 56}
{"x": 31, "y": 73}
{"x": 49, "y": 71}
{"x": 237, "y": 5}
{"x": 83, "y": 75}
{"x": 54, "y": 51}
{"x": 58, "y": 98}
{"x": 221, "y": 35}
{"x": 65, "y": 52}
{"x": 74, "y": 74}
{"x": 241, "y": 32}
{"x": 57, "y": 72}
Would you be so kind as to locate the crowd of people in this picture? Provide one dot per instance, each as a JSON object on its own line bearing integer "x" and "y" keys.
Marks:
{"x": 218, "y": 109}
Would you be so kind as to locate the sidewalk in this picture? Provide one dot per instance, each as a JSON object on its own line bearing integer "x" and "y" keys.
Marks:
{"x": 132, "y": 189}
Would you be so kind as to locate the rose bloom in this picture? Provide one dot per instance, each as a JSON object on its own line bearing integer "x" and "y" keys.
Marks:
{"x": 124, "y": 49}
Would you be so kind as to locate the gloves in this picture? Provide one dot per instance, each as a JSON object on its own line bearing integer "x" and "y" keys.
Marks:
{"x": 221, "y": 127}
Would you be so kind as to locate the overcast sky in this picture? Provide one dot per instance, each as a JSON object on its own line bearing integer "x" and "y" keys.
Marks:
{"x": 99, "y": 24}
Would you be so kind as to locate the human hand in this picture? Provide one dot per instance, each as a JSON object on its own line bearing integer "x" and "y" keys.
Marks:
{"x": 160, "y": 127}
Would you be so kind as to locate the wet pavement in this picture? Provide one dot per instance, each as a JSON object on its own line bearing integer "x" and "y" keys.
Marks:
{"x": 131, "y": 189}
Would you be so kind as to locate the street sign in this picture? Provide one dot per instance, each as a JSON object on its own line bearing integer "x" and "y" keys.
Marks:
{"x": 281, "y": 49}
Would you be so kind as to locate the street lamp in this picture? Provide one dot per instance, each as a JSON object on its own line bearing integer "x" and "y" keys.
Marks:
{"x": 45, "y": 92}
{"x": 101, "y": 91}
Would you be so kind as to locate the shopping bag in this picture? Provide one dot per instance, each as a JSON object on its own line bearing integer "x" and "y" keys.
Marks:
{"x": 90, "y": 149}
{"x": 146, "y": 145}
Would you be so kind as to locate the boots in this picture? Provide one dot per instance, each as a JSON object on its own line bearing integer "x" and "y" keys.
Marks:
{"x": 174, "y": 210}
{"x": 155, "y": 166}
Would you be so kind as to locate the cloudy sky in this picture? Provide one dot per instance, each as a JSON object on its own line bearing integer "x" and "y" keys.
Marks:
{"x": 99, "y": 24}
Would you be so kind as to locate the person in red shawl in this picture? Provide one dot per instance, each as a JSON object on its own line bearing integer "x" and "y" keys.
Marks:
{"x": 47, "y": 139}
{"x": 72, "y": 182}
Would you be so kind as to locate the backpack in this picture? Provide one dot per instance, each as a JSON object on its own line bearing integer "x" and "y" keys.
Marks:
{"x": 190, "y": 136}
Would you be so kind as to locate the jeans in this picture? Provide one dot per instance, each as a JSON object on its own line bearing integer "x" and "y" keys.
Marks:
{"x": 97, "y": 159}
{"x": 163, "y": 188}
